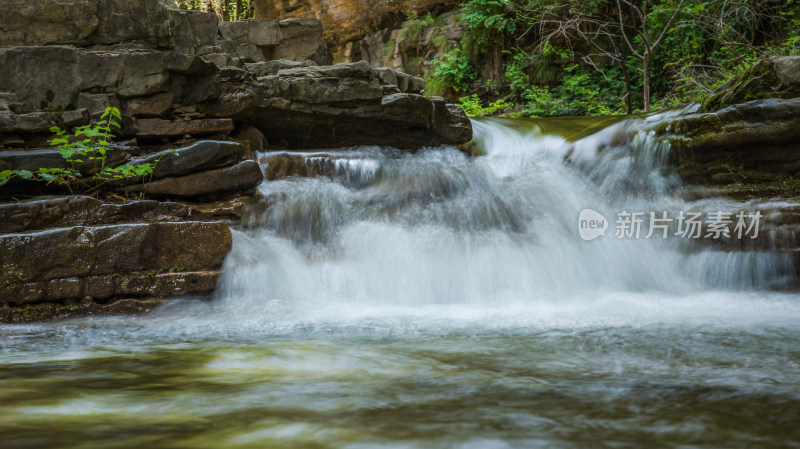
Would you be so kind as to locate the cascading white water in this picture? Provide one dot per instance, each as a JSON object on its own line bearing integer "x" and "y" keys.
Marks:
{"x": 439, "y": 227}
{"x": 434, "y": 300}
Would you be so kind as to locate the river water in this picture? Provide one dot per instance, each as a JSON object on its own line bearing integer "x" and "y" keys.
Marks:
{"x": 437, "y": 300}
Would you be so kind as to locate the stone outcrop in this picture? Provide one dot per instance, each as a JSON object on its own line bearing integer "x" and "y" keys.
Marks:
{"x": 353, "y": 104}
{"x": 239, "y": 179}
{"x": 101, "y": 263}
{"x": 205, "y": 170}
{"x": 262, "y": 40}
{"x": 140, "y": 81}
{"x": 105, "y": 22}
{"x": 747, "y": 149}
{"x": 758, "y": 140}
{"x": 776, "y": 77}
{"x": 168, "y": 91}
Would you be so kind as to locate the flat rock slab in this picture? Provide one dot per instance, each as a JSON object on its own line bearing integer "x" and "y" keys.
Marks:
{"x": 154, "y": 127}
{"x": 129, "y": 285}
{"x": 33, "y": 160}
{"x": 64, "y": 211}
{"x": 203, "y": 155}
{"x": 240, "y": 178}
{"x": 57, "y": 311}
{"x": 57, "y": 256}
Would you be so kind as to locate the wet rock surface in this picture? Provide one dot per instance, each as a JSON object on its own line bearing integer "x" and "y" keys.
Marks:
{"x": 744, "y": 144}
{"x": 753, "y": 142}
{"x": 59, "y": 211}
{"x": 112, "y": 261}
{"x": 60, "y": 311}
{"x": 239, "y": 179}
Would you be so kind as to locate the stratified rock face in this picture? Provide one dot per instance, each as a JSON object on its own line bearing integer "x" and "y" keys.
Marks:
{"x": 412, "y": 47}
{"x": 69, "y": 78}
{"x": 348, "y": 20}
{"x": 753, "y": 142}
{"x": 776, "y": 77}
{"x": 158, "y": 259}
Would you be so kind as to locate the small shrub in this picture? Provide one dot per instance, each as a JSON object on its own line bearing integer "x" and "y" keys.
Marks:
{"x": 89, "y": 144}
{"x": 473, "y": 106}
{"x": 454, "y": 70}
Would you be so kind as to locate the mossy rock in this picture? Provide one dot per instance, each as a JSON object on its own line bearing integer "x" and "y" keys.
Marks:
{"x": 777, "y": 77}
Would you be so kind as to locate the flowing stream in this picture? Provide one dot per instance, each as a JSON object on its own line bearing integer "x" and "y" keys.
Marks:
{"x": 438, "y": 300}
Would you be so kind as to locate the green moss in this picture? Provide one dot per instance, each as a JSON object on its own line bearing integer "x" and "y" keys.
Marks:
{"x": 11, "y": 276}
{"x": 439, "y": 41}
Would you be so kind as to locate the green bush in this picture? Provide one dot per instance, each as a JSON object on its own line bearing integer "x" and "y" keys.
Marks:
{"x": 473, "y": 106}
{"x": 454, "y": 70}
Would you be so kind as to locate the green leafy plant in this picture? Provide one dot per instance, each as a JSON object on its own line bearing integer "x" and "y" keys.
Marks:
{"x": 454, "y": 70}
{"x": 473, "y": 106}
{"x": 86, "y": 151}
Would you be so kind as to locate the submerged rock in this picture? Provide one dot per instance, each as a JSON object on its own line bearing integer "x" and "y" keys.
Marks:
{"x": 59, "y": 311}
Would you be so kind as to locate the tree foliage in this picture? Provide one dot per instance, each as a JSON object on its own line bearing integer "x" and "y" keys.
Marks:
{"x": 615, "y": 56}
{"x": 225, "y": 9}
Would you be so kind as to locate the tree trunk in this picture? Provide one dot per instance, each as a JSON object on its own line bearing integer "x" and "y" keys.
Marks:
{"x": 646, "y": 81}
{"x": 628, "y": 92}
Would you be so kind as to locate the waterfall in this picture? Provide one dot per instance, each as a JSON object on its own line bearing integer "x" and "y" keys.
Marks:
{"x": 441, "y": 228}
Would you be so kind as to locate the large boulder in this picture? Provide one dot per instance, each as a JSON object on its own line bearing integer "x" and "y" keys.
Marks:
{"x": 111, "y": 261}
{"x": 353, "y": 104}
